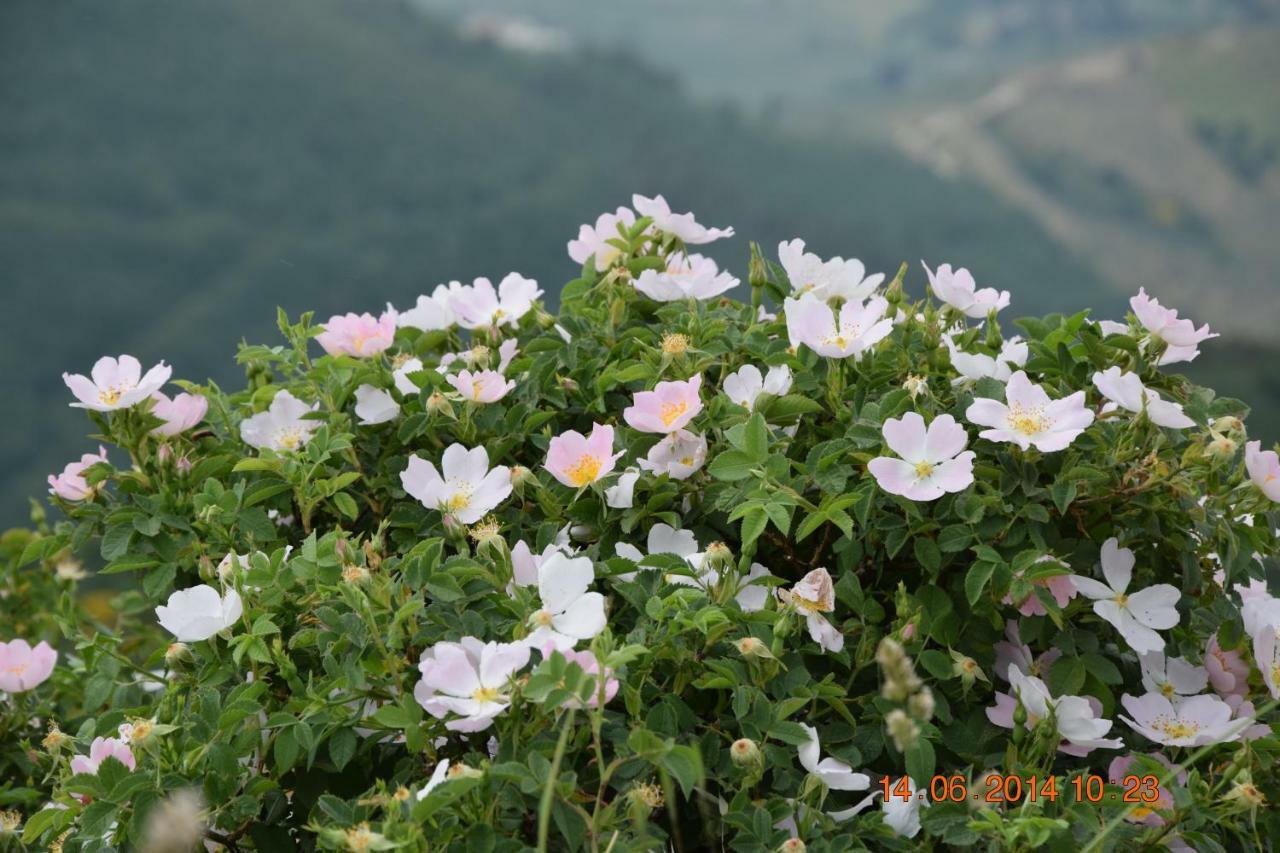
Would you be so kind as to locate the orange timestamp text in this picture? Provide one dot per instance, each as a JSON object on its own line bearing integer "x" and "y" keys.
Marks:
{"x": 999, "y": 788}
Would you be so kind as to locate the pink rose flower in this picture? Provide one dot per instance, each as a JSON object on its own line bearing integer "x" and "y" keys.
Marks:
{"x": 100, "y": 750}
{"x": 359, "y": 335}
{"x": 71, "y": 485}
{"x": 179, "y": 414}
{"x": 668, "y": 408}
{"x": 25, "y": 668}
{"x": 577, "y": 461}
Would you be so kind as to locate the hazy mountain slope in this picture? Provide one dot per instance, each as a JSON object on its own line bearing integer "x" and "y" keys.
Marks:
{"x": 169, "y": 172}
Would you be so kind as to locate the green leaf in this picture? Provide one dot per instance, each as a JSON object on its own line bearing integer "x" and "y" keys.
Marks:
{"x": 342, "y": 747}
{"x": 346, "y": 505}
{"x": 731, "y": 465}
{"x": 927, "y": 554}
{"x": 684, "y": 763}
{"x": 756, "y": 440}
{"x": 920, "y": 761}
{"x": 976, "y": 580}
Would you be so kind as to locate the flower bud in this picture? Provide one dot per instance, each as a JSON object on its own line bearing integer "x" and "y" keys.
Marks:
{"x": 901, "y": 728}
{"x": 745, "y": 753}
{"x": 791, "y": 845}
{"x": 718, "y": 557}
{"x": 164, "y": 454}
{"x": 967, "y": 669}
{"x": 753, "y": 647}
{"x": 757, "y": 269}
{"x": 463, "y": 771}
{"x": 1229, "y": 424}
{"x": 1244, "y": 795}
{"x": 54, "y": 740}
{"x": 916, "y": 386}
{"x": 521, "y": 477}
{"x": 438, "y": 405}
{"x": 10, "y": 822}
{"x": 1221, "y": 448}
{"x": 921, "y": 704}
{"x": 176, "y": 655}
{"x": 355, "y": 574}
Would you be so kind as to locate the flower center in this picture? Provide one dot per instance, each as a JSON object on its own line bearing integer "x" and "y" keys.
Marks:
{"x": 809, "y": 605}
{"x": 686, "y": 460}
{"x": 485, "y": 694}
{"x": 838, "y": 340}
{"x": 924, "y": 469}
{"x": 110, "y": 396}
{"x": 1167, "y": 690}
{"x": 1121, "y": 599}
{"x": 542, "y": 618}
{"x": 460, "y": 499}
{"x": 289, "y": 439}
{"x": 670, "y": 412}
{"x": 1028, "y": 421}
{"x": 1178, "y": 729}
{"x": 585, "y": 470}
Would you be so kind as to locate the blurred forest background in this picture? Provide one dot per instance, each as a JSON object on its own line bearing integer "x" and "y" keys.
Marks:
{"x": 170, "y": 171}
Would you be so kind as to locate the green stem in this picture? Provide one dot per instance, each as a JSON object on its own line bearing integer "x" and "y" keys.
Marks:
{"x": 548, "y": 790}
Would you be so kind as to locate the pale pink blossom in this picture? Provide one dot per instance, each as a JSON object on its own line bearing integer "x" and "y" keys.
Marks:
{"x": 1171, "y": 676}
{"x": 691, "y": 277}
{"x": 752, "y": 594}
{"x": 282, "y": 427}
{"x": 1127, "y": 391}
{"x": 1029, "y": 418}
{"x": 662, "y": 539}
{"x": 358, "y": 335}
{"x": 525, "y": 563}
{"x": 431, "y": 313}
{"x": 464, "y": 488}
{"x": 179, "y": 414}
{"x": 1181, "y": 336}
{"x": 1137, "y": 615}
{"x": 594, "y": 241}
{"x": 974, "y": 366}
{"x": 569, "y": 613}
{"x": 836, "y": 278}
{"x": 439, "y": 776}
{"x": 469, "y": 679}
{"x": 578, "y": 461}
{"x": 100, "y": 750}
{"x": 25, "y": 667}
{"x": 480, "y": 306}
{"x": 589, "y": 664}
{"x": 1080, "y": 725}
{"x": 116, "y": 384}
{"x": 746, "y": 385}
{"x": 1061, "y": 587}
{"x": 852, "y": 332}
{"x": 1013, "y": 652}
{"x": 835, "y": 774}
{"x": 483, "y": 386}
{"x": 668, "y": 408}
{"x": 958, "y": 289}
{"x": 199, "y": 613}
{"x": 812, "y": 596}
{"x": 375, "y": 406}
{"x": 1228, "y": 670}
{"x": 1264, "y": 469}
{"x": 933, "y": 461}
{"x": 71, "y": 484}
{"x": 1191, "y": 721}
{"x": 1266, "y": 653}
{"x": 621, "y": 495}
{"x": 678, "y": 455}
{"x": 680, "y": 225}
{"x": 401, "y": 376}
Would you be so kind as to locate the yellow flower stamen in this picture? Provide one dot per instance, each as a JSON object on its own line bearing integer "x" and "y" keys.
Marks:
{"x": 585, "y": 470}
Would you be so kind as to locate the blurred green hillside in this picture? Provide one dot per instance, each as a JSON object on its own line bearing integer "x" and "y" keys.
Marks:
{"x": 170, "y": 172}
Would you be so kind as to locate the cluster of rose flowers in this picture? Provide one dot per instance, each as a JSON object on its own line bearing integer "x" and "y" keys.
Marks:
{"x": 837, "y": 311}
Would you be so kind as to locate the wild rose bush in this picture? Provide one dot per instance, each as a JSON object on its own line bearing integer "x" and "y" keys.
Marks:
{"x": 663, "y": 571}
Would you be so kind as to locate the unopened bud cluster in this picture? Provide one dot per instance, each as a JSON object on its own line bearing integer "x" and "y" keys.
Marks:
{"x": 901, "y": 684}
